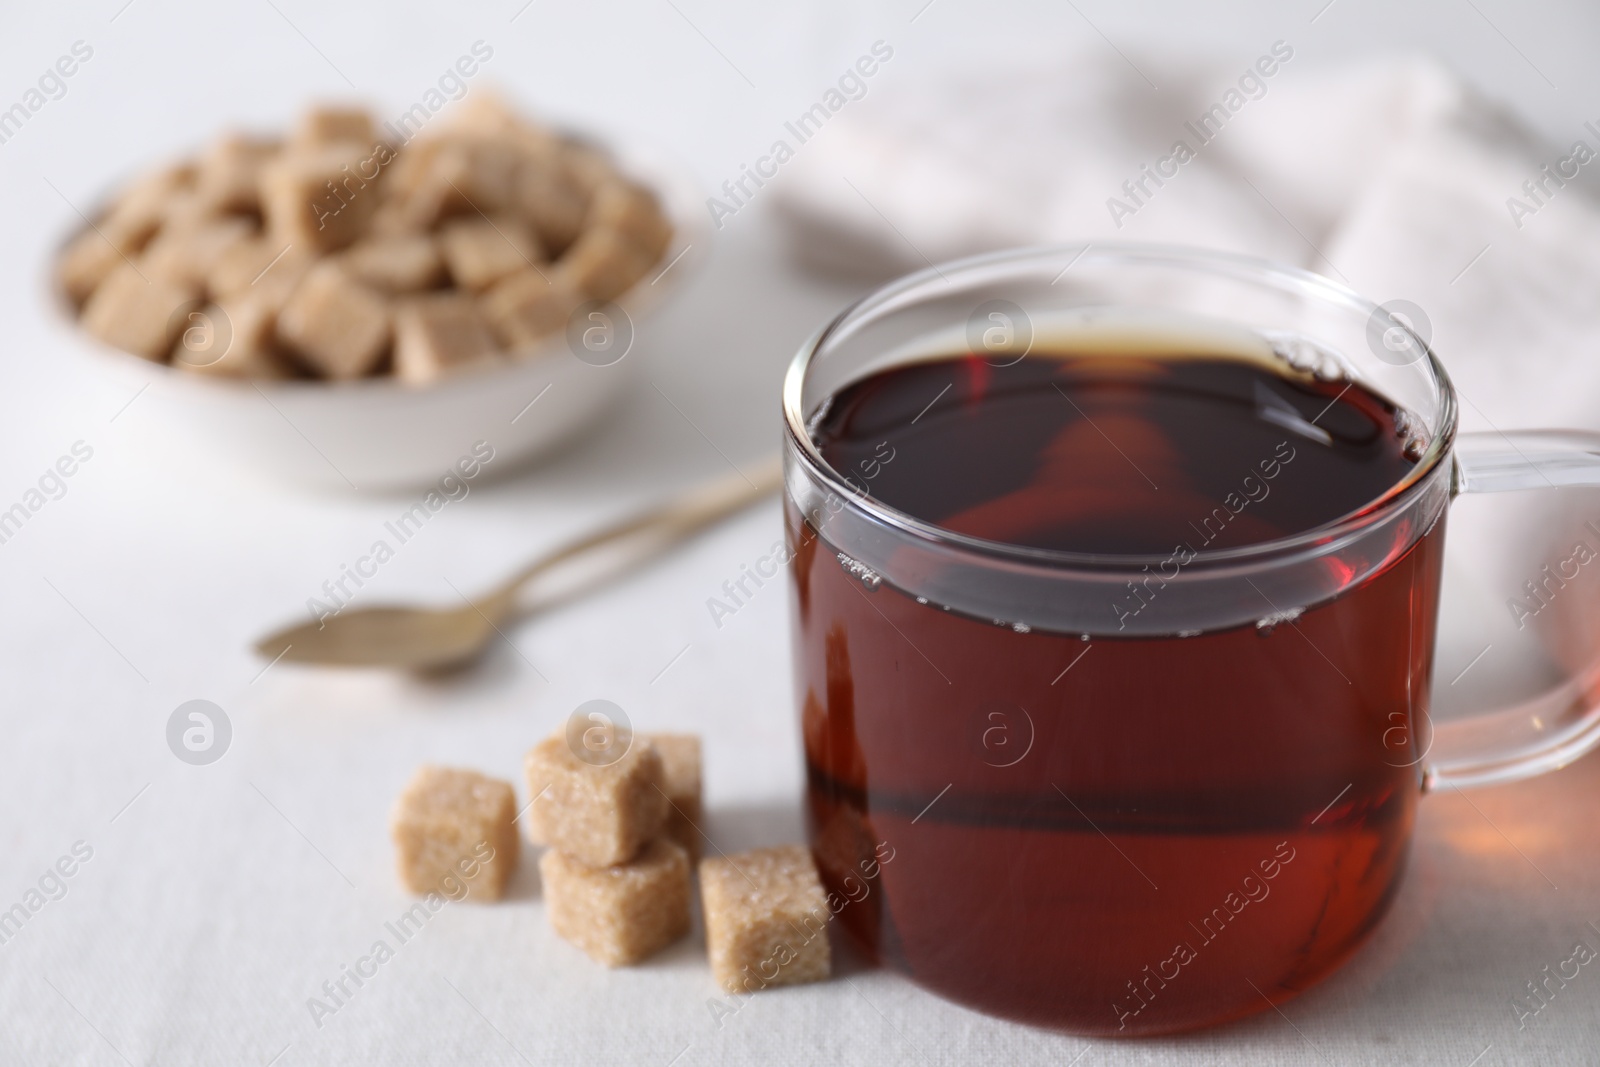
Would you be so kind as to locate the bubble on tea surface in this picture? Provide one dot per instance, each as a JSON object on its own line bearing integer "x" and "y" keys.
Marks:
{"x": 199, "y": 732}
{"x": 1328, "y": 368}
{"x": 1412, "y": 434}
{"x": 599, "y": 733}
{"x": 1308, "y": 357}
{"x": 1268, "y": 623}
{"x": 1299, "y": 353}
{"x": 818, "y": 416}
{"x": 867, "y": 576}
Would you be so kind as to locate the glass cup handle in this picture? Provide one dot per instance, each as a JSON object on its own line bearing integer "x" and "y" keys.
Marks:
{"x": 1554, "y": 728}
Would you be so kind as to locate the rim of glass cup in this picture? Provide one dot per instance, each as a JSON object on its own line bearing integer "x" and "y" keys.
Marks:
{"x": 1201, "y": 261}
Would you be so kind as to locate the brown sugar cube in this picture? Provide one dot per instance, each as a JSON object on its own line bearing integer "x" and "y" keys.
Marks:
{"x": 485, "y": 113}
{"x": 320, "y": 199}
{"x": 231, "y": 339}
{"x": 331, "y": 125}
{"x": 392, "y": 218}
{"x": 229, "y": 174}
{"x": 766, "y": 918}
{"x": 505, "y": 139}
{"x": 137, "y": 313}
{"x": 551, "y": 200}
{"x": 429, "y": 182}
{"x": 588, "y": 168}
{"x": 496, "y": 169}
{"x": 599, "y": 814}
{"x": 482, "y": 170}
{"x": 680, "y": 777}
{"x": 603, "y": 264}
{"x": 238, "y": 266}
{"x": 264, "y": 267}
{"x": 186, "y": 255}
{"x": 86, "y": 261}
{"x": 337, "y": 325}
{"x": 455, "y": 834}
{"x": 480, "y": 251}
{"x": 680, "y": 781}
{"x": 436, "y": 334}
{"x": 632, "y": 211}
{"x": 397, "y": 263}
{"x": 529, "y": 306}
{"x": 621, "y": 914}
{"x": 442, "y": 191}
{"x": 411, "y": 165}
{"x": 144, "y": 206}
{"x": 185, "y": 210}
{"x": 121, "y": 233}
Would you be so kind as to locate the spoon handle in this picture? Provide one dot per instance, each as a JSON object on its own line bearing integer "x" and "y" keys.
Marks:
{"x": 648, "y": 533}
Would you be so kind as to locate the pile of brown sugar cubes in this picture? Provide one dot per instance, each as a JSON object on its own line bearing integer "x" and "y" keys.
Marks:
{"x": 338, "y": 254}
{"x": 622, "y": 832}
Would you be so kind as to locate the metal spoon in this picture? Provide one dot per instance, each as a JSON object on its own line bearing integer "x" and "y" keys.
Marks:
{"x": 435, "y": 639}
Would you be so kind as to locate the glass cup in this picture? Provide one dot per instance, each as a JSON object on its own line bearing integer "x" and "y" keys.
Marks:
{"x": 1053, "y": 808}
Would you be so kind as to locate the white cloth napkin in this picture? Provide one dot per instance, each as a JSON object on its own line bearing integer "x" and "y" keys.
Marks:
{"x": 1392, "y": 177}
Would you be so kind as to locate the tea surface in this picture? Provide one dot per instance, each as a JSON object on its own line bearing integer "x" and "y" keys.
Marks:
{"x": 1116, "y": 454}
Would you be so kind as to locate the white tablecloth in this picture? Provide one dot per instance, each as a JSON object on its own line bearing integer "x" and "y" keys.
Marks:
{"x": 205, "y": 905}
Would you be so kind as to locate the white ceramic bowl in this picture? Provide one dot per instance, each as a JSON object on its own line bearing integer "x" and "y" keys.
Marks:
{"x": 379, "y": 434}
